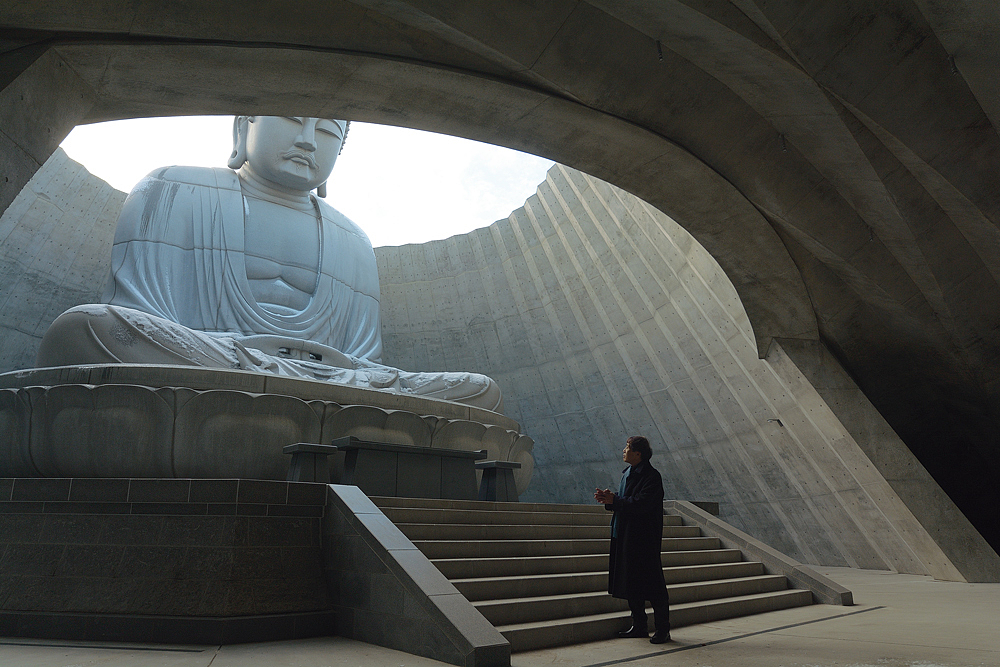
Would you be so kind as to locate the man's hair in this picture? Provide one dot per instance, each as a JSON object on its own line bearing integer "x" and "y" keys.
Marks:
{"x": 639, "y": 444}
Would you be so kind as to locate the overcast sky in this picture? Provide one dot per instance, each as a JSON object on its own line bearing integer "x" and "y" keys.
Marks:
{"x": 401, "y": 186}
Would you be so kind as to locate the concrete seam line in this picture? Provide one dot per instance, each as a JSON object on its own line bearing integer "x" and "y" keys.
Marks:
{"x": 729, "y": 639}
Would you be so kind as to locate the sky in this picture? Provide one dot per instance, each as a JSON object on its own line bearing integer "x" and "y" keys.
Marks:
{"x": 399, "y": 185}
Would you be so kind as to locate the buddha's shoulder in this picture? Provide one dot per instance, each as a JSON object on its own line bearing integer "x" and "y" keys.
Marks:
{"x": 210, "y": 177}
{"x": 332, "y": 215}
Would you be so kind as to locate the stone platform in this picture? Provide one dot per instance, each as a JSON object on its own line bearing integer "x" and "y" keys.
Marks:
{"x": 162, "y": 560}
{"x": 193, "y": 561}
{"x": 140, "y": 421}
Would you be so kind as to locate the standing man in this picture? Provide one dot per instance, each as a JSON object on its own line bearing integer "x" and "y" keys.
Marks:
{"x": 634, "y": 570}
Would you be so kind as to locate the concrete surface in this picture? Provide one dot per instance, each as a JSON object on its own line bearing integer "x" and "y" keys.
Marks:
{"x": 898, "y": 621}
{"x": 55, "y": 253}
{"x": 601, "y": 317}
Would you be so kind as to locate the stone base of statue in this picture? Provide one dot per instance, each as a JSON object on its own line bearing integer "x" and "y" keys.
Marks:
{"x": 150, "y": 504}
{"x": 142, "y": 421}
{"x": 173, "y": 561}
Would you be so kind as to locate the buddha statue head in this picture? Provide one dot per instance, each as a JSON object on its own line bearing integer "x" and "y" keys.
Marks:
{"x": 293, "y": 153}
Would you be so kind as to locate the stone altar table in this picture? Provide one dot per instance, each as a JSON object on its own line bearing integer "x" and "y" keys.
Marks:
{"x": 498, "y": 481}
{"x": 309, "y": 462}
{"x": 408, "y": 471}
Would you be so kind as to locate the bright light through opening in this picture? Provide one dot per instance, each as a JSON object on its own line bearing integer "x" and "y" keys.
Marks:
{"x": 399, "y": 185}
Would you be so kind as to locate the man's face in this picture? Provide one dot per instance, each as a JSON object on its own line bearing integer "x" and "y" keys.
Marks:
{"x": 295, "y": 152}
{"x": 631, "y": 457}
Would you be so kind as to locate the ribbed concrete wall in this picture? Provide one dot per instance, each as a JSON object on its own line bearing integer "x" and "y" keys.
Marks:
{"x": 55, "y": 250}
{"x": 601, "y": 318}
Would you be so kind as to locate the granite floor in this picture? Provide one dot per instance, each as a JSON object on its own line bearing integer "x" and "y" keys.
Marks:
{"x": 898, "y": 621}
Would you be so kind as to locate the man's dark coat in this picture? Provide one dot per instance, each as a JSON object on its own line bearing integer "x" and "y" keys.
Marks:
{"x": 634, "y": 571}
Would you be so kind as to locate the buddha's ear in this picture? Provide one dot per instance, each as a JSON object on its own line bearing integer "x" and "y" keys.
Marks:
{"x": 241, "y": 125}
{"x": 321, "y": 190}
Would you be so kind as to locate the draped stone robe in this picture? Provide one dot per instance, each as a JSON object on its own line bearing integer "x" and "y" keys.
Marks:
{"x": 178, "y": 254}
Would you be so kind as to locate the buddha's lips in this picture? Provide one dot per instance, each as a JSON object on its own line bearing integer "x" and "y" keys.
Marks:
{"x": 293, "y": 155}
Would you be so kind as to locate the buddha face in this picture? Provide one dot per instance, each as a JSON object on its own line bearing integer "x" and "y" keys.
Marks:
{"x": 295, "y": 153}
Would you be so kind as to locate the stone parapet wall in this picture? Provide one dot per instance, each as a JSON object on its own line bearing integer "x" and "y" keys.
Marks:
{"x": 386, "y": 592}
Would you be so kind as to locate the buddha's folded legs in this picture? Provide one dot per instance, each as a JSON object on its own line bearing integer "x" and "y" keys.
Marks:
{"x": 469, "y": 388}
{"x": 103, "y": 334}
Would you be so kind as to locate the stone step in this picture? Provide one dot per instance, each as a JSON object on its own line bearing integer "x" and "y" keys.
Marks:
{"x": 511, "y": 588}
{"x": 518, "y": 611}
{"x": 696, "y": 591}
{"x": 712, "y": 571}
{"x": 435, "y": 503}
{"x": 684, "y": 584}
{"x": 519, "y": 548}
{"x": 544, "y": 634}
{"x": 541, "y": 577}
{"x": 461, "y": 531}
{"x": 487, "y": 517}
{"x": 468, "y": 568}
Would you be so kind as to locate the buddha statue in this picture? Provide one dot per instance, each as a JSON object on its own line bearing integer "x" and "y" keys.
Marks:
{"x": 244, "y": 268}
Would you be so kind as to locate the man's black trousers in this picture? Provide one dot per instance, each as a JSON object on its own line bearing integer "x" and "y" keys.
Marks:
{"x": 661, "y": 614}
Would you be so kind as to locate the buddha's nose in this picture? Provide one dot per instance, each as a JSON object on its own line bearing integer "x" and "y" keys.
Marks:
{"x": 307, "y": 137}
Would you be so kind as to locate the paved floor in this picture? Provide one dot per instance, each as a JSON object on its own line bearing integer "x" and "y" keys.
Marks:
{"x": 898, "y": 621}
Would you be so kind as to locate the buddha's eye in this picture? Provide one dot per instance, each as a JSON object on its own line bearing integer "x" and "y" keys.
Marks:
{"x": 328, "y": 128}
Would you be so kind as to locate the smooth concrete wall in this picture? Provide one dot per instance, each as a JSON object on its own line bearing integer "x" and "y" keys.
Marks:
{"x": 55, "y": 253}
{"x": 601, "y": 318}
{"x": 938, "y": 516}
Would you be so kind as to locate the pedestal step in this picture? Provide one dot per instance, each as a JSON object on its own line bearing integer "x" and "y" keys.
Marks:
{"x": 538, "y": 573}
{"x": 581, "y": 629}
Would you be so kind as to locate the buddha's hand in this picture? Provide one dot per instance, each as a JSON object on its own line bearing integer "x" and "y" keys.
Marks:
{"x": 382, "y": 378}
{"x": 379, "y": 376}
{"x": 302, "y": 350}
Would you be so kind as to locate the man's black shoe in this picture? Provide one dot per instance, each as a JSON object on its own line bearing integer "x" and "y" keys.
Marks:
{"x": 659, "y": 638}
{"x": 633, "y": 632}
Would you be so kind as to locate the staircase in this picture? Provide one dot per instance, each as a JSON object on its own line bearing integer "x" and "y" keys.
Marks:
{"x": 538, "y": 572}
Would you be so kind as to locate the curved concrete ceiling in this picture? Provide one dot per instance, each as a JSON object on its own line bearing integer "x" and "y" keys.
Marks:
{"x": 838, "y": 159}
